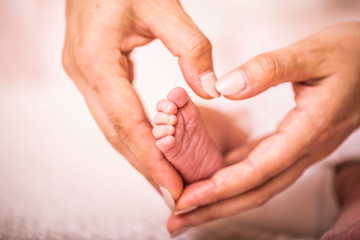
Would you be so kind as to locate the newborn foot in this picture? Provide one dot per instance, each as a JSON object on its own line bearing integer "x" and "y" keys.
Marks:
{"x": 182, "y": 137}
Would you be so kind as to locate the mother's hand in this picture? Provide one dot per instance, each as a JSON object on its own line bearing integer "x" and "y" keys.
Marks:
{"x": 324, "y": 70}
{"x": 100, "y": 36}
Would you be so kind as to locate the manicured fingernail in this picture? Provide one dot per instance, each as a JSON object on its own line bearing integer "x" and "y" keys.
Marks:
{"x": 186, "y": 210}
{"x": 208, "y": 81}
{"x": 232, "y": 83}
{"x": 168, "y": 198}
{"x": 179, "y": 231}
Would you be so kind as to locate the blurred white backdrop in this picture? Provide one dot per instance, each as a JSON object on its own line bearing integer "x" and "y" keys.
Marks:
{"x": 59, "y": 178}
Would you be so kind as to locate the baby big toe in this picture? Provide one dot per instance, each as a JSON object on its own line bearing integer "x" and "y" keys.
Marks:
{"x": 178, "y": 96}
{"x": 167, "y": 107}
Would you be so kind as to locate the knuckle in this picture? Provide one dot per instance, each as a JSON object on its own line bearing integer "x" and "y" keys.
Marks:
{"x": 197, "y": 44}
{"x": 83, "y": 54}
{"x": 85, "y": 59}
{"x": 126, "y": 132}
{"x": 270, "y": 65}
{"x": 97, "y": 63}
{"x": 78, "y": 59}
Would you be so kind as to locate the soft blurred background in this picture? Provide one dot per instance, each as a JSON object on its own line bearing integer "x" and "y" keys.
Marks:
{"x": 60, "y": 179}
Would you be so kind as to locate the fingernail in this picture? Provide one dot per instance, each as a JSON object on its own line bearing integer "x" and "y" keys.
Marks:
{"x": 179, "y": 231}
{"x": 186, "y": 210}
{"x": 208, "y": 81}
{"x": 232, "y": 83}
{"x": 168, "y": 198}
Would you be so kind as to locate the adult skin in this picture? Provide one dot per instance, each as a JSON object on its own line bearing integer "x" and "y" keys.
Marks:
{"x": 100, "y": 36}
{"x": 324, "y": 70}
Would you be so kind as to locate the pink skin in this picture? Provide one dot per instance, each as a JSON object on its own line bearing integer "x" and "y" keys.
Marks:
{"x": 347, "y": 224}
{"x": 182, "y": 137}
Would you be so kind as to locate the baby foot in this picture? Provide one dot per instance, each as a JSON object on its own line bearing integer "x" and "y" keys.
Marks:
{"x": 182, "y": 137}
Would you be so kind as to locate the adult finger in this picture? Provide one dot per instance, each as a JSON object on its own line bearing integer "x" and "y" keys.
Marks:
{"x": 296, "y": 63}
{"x": 169, "y": 22}
{"x": 248, "y": 200}
{"x": 257, "y": 196}
{"x": 240, "y": 153}
{"x": 106, "y": 88}
{"x": 272, "y": 156}
{"x": 109, "y": 131}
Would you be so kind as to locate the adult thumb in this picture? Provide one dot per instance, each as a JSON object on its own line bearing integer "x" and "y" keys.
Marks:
{"x": 169, "y": 22}
{"x": 296, "y": 63}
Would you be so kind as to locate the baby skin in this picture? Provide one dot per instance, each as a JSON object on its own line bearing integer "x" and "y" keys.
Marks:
{"x": 182, "y": 137}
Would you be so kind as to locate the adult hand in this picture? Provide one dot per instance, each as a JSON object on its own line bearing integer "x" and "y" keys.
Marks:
{"x": 100, "y": 36}
{"x": 324, "y": 70}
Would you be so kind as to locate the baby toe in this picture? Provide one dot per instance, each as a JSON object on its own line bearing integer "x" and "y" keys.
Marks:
{"x": 163, "y": 118}
{"x": 161, "y": 131}
{"x": 178, "y": 96}
{"x": 165, "y": 143}
{"x": 167, "y": 107}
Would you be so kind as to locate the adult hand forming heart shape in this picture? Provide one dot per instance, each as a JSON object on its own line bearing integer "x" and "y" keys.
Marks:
{"x": 323, "y": 69}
